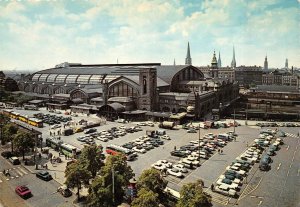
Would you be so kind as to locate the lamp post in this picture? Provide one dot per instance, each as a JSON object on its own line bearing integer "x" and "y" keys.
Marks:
{"x": 234, "y": 121}
{"x": 113, "y": 183}
{"x": 199, "y": 144}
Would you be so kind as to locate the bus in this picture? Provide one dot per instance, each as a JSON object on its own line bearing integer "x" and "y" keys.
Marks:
{"x": 69, "y": 150}
{"x": 30, "y": 107}
{"x": 54, "y": 143}
{"x": 35, "y": 122}
{"x": 14, "y": 115}
{"x": 114, "y": 149}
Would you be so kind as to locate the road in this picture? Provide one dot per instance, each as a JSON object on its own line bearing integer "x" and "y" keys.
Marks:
{"x": 44, "y": 193}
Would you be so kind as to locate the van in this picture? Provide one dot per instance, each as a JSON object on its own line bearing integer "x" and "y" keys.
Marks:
{"x": 161, "y": 132}
{"x": 224, "y": 137}
{"x": 14, "y": 160}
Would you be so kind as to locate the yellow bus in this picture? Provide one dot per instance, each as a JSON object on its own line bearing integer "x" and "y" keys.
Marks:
{"x": 35, "y": 122}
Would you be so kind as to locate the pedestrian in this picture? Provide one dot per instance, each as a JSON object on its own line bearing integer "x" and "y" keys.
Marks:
{"x": 247, "y": 144}
{"x": 174, "y": 148}
{"x": 46, "y": 166}
{"x": 50, "y": 133}
{"x": 221, "y": 151}
{"x": 40, "y": 156}
{"x": 212, "y": 187}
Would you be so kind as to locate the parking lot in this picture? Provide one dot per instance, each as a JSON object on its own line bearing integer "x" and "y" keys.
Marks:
{"x": 210, "y": 169}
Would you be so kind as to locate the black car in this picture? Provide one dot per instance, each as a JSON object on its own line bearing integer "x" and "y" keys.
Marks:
{"x": 44, "y": 175}
{"x": 128, "y": 146}
{"x": 178, "y": 153}
{"x": 7, "y": 154}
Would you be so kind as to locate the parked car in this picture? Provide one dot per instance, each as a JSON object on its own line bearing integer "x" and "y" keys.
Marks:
{"x": 178, "y": 153}
{"x": 181, "y": 168}
{"x": 158, "y": 166}
{"x": 191, "y": 130}
{"x": 175, "y": 172}
{"x": 225, "y": 190}
{"x": 91, "y": 130}
{"x": 14, "y": 160}
{"x": 64, "y": 190}
{"x": 23, "y": 191}
{"x": 44, "y": 175}
{"x": 167, "y": 137}
{"x": 7, "y": 154}
{"x": 166, "y": 163}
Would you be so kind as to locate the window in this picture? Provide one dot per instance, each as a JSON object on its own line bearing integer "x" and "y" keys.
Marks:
{"x": 122, "y": 89}
{"x": 36, "y": 77}
{"x": 95, "y": 79}
{"x": 51, "y": 78}
{"x": 43, "y": 77}
{"x": 83, "y": 79}
{"x": 71, "y": 78}
{"x": 61, "y": 78}
{"x": 144, "y": 85}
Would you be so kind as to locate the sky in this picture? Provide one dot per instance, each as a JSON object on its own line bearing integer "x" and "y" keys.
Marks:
{"x": 39, "y": 34}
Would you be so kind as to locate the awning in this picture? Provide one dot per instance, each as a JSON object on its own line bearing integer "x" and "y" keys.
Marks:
{"x": 36, "y": 101}
{"x": 77, "y": 101}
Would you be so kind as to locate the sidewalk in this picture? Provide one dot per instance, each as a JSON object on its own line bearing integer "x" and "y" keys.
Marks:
{"x": 57, "y": 170}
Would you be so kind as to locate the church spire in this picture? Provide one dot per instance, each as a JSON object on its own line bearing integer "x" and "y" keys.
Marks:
{"x": 219, "y": 61}
{"x": 233, "y": 62}
{"x": 188, "y": 59}
{"x": 286, "y": 63}
{"x": 266, "y": 63}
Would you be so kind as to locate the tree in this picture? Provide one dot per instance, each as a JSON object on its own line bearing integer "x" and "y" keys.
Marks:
{"x": 23, "y": 142}
{"x": 91, "y": 158}
{"x": 76, "y": 177}
{"x": 108, "y": 189}
{"x": 145, "y": 198}
{"x": 151, "y": 179}
{"x": 192, "y": 195}
{"x": 9, "y": 132}
{"x": 3, "y": 121}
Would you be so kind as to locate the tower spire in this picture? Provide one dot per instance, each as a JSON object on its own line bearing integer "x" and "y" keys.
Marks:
{"x": 266, "y": 63}
{"x": 188, "y": 59}
{"x": 233, "y": 62}
{"x": 174, "y": 62}
{"x": 286, "y": 63}
{"x": 219, "y": 61}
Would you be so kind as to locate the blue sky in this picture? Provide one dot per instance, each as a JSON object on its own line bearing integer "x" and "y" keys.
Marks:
{"x": 37, "y": 34}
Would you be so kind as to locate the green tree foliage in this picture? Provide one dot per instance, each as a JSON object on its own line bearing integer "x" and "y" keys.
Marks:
{"x": 9, "y": 132}
{"x": 91, "y": 158}
{"x": 101, "y": 189}
{"x": 23, "y": 142}
{"x": 145, "y": 198}
{"x": 151, "y": 179}
{"x": 76, "y": 177}
{"x": 3, "y": 122}
{"x": 192, "y": 195}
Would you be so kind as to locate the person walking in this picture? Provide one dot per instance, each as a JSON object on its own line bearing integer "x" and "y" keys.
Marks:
{"x": 212, "y": 187}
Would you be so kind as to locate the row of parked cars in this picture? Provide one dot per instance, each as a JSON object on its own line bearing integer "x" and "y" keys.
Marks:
{"x": 208, "y": 144}
{"x": 52, "y": 118}
{"x": 277, "y": 124}
{"x": 145, "y": 143}
{"x": 190, "y": 155}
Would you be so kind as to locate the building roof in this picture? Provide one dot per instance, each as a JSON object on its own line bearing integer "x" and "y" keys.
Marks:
{"x": 276, "y": 88}
{"x": 97, "y": 99}
{"x": 166, "y": 72}
{"x": 117, "y": 107}
{"x": 120, "y": 99}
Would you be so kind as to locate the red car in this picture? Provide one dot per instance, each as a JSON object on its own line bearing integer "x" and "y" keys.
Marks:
{"x": 23, "y": 191}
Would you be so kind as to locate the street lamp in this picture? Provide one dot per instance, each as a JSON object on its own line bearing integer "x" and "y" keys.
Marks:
{"x": 233, "y": 121}
{"x": 199, "y": 144}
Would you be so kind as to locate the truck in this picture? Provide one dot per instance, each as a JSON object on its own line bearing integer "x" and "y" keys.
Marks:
{"x": 166, "y": 124}
{"x": 151, "y": 133}
{"x": 68, "y": 132}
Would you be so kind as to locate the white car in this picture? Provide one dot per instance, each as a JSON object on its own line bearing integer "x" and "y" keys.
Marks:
{"x": 195, "y": 142}
{"x": 137, "y": 128}
{"x": 139, "y": 150}
{"x": 167, "y": 137}
{"x": 181, "y": 168}
{"x": 175, "y": 173}
{"x": 149, "y": 123}
{"x": 158, "y": 166}
{"x": 250, "y": 157}
{"x": 225, "y": 190}
{"x": 55, "y": 126}
{"x": 122, "y": 127}
{"x": 236, "y": 169}
{"x": 189, "y": 162}
{"x": 103, "y": 139}
{"x": 166, "y": 163}
{"x": 232, "y": 186}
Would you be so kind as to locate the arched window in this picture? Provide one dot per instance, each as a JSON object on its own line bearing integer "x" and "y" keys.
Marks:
{"x": 144, "y": 85}
{"x": 122, "y": 89}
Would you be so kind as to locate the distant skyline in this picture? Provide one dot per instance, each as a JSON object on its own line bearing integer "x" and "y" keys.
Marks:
{"x": 38, "y": 34}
